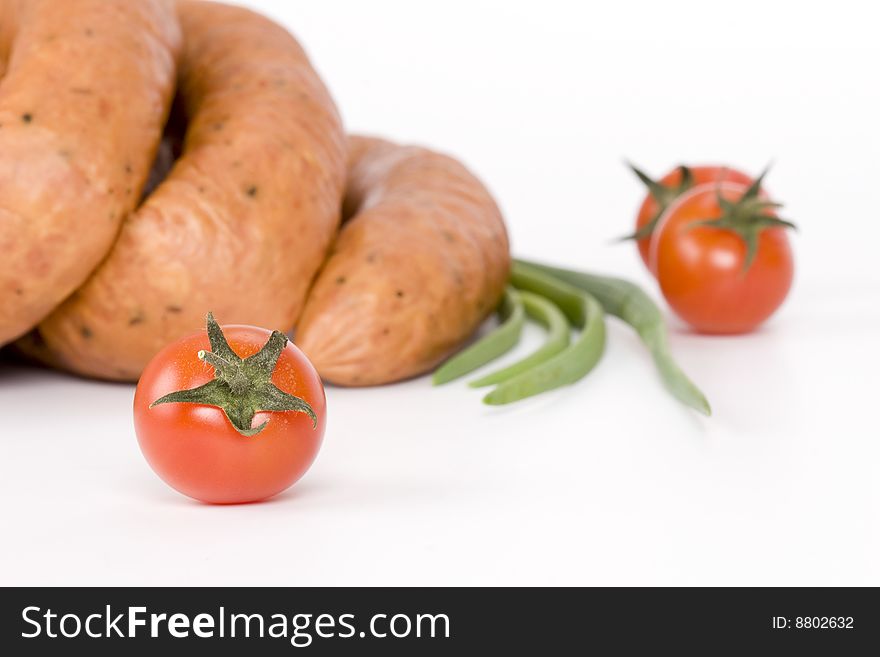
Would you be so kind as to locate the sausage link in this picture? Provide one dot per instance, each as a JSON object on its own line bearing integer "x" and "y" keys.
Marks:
{"x": 86, "y": 88}
{"x": 422, "y": 261}
{"x": 243, "y": 220}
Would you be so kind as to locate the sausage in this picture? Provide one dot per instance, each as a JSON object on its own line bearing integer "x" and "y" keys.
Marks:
{"x": 244, "y": 218}
{"x": 86, "y": 88}
{"x": 423, "y": 259}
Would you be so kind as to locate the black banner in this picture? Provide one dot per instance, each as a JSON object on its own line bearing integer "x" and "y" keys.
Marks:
{"x": 409, "y": 621}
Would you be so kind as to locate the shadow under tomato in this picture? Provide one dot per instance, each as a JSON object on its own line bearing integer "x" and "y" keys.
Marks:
{"x": 295, "y": 493}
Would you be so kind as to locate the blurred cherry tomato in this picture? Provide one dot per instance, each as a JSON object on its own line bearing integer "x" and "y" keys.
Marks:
{"x": 663, "y": 192}
{"x": 722, "y": 257}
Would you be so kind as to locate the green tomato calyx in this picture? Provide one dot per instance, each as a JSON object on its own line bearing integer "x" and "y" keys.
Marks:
{"x": 663, "y": 196}
{"x": 748, "y": 217}
{"x": 241, "y": 386}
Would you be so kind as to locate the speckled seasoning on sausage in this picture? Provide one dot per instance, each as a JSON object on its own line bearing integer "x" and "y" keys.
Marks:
{"x": 422, "y": 261}
{"x": 243, "y": 220}
{"x": 85, "y": 91}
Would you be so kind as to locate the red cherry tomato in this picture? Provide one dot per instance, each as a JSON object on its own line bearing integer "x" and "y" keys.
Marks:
{"x": 663, "y": 192}
{"x": 704, "y": 270}
{"x": 197, "y": 450}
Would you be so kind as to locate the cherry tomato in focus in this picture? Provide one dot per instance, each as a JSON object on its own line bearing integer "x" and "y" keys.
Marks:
{"x": 705, "y": 271}
{"x": 663, "y": 192}
{"x": 196, "y": 449}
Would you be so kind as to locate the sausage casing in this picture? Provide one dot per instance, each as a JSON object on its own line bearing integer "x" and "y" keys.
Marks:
{"x": 86, "y": 88}
{"x": 243, "y": 220}
{"x": 422, "y": 260}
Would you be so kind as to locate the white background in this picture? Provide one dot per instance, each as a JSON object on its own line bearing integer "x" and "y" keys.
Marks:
{"x": 607, "y": 482}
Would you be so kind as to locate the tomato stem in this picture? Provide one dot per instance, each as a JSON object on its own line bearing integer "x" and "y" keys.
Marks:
{"x": 748, "y": 217}
{"x": 241, "y": 386}
{"x": 662, "y": 194}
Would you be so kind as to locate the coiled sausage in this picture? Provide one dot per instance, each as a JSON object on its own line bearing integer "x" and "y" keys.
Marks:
{"x": 422, "y": 261}
{"x": 243, "y": 220}
{"x": 86, "y": 88}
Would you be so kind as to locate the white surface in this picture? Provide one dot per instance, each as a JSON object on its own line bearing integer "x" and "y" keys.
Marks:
{"x": 610, "y": 481}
